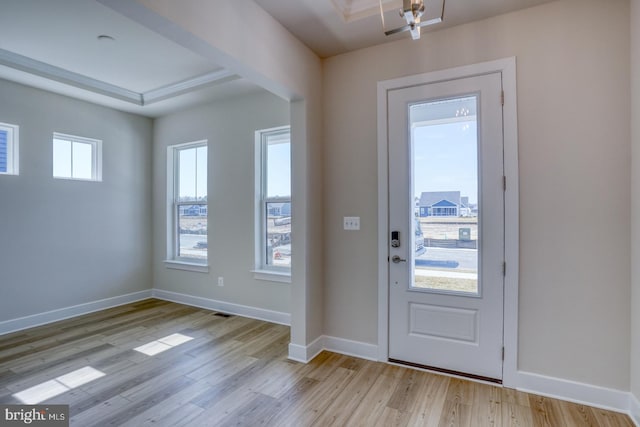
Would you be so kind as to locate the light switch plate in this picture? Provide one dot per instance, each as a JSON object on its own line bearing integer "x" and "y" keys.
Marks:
{"x": 352, "y": 223}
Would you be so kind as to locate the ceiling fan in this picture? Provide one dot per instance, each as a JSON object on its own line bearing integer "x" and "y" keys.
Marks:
{"x": 412, "y": 11}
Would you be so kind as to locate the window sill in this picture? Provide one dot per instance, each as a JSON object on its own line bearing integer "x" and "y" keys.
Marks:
{"x": 272, "y": 276}
{"x": 187, "y": 266}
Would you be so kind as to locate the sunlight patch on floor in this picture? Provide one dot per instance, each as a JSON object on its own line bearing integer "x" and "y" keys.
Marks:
{"x": 59, "y": 385}
{"x": 163, "y": 344}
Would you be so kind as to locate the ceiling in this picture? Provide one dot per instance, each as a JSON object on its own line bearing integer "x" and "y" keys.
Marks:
{"x": 60, "y": 45}
{"x": 332, "y": 27}
{"x": 55, "y": 45}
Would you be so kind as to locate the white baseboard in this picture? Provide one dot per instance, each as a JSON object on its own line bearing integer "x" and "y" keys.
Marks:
{"x": 298, "y": 353}
{"x": 351, "y": 348}
{"x": 225, "y": 307}
{"x": 634, "y": 409}
{"x": 39, "y": 319}
{"x": 587, "y": 394}
{"x": 305, "y": 354}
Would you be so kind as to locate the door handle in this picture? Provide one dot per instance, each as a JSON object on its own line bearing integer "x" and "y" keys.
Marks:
{"x": 396, "y": 259}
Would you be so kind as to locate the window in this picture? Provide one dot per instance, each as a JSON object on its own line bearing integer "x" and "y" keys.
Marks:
{"x": 75, "y": 157}
{"x": 8, "y": 149}
{"x": 273, "y": 210}
{"x": 188, "y": 210}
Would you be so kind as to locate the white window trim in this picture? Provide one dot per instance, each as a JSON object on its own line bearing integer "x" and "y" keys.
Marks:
{"x": 186, "y": 266}
{"x": 96, "y": 155}
{"x": 13, "y": 148}
{"x": 172, "y": 261}
{"x": 272, "y": 276}
{"x": 261, "y": 270}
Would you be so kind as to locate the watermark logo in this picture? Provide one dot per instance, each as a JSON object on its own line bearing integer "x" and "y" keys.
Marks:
{"x": 34, "y": 415}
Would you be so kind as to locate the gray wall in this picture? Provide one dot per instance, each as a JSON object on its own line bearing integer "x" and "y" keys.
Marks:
{"x": 573, "y": 101}
{"x": 230, "y": 127}
{"x": 635, "y": 200}
{"x": 66, "y": 242}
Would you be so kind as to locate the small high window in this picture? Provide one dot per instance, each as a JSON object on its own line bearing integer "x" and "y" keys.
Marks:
{"x": 76, "y": 157}
{"x": 8, "y": 149}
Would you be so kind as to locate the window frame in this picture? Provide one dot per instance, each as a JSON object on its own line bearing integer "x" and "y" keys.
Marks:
{"x": 13, "y": 148}
{"x": 96, "y": 156}
{"x": 264, "y": 271}
{"x": 173, "y": 260}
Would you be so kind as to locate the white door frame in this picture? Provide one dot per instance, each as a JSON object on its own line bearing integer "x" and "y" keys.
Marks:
{"x": 507, "y": 67}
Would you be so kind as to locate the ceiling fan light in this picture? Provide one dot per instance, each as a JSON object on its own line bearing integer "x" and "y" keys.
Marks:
{"x": 412, "y": 12}
{"x": 415, "y": 30}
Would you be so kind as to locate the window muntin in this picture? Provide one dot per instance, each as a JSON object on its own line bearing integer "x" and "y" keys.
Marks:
{"x": 8, "y": 149}
{"x": 76, "y": 157}
{"x": 274, "y": 195}
{"x": 189, "y": 209}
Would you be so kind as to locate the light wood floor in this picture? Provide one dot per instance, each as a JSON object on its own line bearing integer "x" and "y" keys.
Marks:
{"x": 234, "y": 371}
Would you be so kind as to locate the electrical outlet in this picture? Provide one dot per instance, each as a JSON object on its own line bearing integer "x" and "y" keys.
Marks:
{"x": 220, "y": 281}
{"x": 352, "y": 223}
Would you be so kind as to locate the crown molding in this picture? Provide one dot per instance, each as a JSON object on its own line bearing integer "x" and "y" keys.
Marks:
{"x": 51, "y": 72}
{"x": 188, "y": 85}
{"x": 61, "y": 75}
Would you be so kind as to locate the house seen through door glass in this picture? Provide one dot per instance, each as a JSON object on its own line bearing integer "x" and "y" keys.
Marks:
{"x": 444, "y": 159}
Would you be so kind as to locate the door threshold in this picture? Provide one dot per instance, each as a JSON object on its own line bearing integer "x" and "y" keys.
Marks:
{"x": 447, "y": 371}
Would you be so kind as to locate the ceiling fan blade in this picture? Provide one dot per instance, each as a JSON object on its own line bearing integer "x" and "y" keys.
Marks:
{"x": 429, "y": 22}
{"x": 397, "y": 30}
{"x": 434, "y": 20}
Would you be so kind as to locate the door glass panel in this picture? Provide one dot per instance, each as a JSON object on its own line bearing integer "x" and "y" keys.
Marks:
{"x": 444, "y": 181}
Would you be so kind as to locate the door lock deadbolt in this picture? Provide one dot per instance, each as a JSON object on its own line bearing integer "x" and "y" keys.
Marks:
{"x": 395, "y": 239}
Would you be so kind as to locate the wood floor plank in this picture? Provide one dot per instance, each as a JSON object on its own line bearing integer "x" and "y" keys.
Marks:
{"x": 546, "y": 411}
{"x": 278, "y": 380}
{"x": 227, "y": 365}
{"x": 374, "y": 402}
{"x": 67, "y": 358}
{"x": 222, "y": 406}
{"x": 322, "y": 367}
{"x": 254, "y": 412}
{"x": 509, "y": 395}
{"x": 184, "y": 416}
{"x": 235, "y": 371}
{"x": 514, "y": 415}
{"x": 293, "y": 396}
{"x": 128, "y": 379}
{"x": 6, "y": 397}
{"x": 125, "y": 412}
{"x": 99, "y": 412}
{"x": 578, "y": 415}
{"x": 431, "y": 402}
{"x": 611, "y": 419}
{"x": 391, "y": 417}
{"x": 227, "y": 380}
{"x": 316, "y": 400}
{"x": 175, "y": 410}
{"x": 407, "y": 392}
{"x": 351, "y": 396}
{"x": 7, "y": 377}
{"x": 486, "y": 407}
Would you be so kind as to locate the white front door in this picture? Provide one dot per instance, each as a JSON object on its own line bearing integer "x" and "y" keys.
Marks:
{"x": 446, "y": 224}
